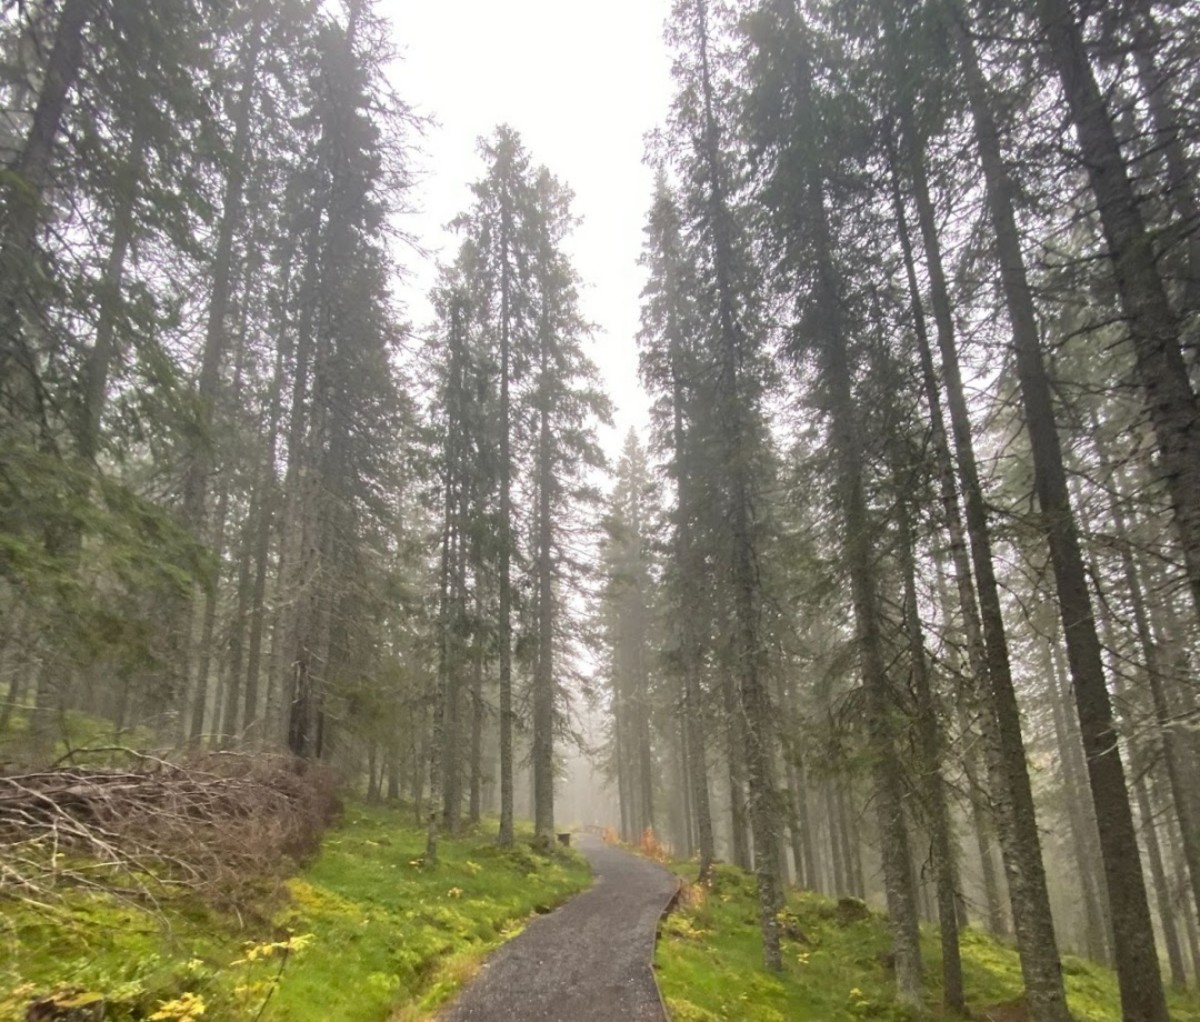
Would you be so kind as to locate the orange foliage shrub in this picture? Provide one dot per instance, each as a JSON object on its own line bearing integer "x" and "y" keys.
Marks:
{"x": 653, "y": 848}
{"x": 693, "y": 897}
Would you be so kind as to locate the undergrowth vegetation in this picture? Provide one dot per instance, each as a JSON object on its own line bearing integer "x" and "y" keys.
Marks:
{"x": 365, "y": 933}
{"x": 837, "y": 964}
{"x": 395, "y": 934}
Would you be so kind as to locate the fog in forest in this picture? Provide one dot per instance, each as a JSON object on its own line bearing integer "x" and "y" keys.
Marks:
{"x": 767, "y": 430}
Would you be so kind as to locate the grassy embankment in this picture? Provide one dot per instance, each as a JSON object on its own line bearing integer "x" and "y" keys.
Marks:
{"x": 709, "y": 964}
{"x": 365, "y": 933}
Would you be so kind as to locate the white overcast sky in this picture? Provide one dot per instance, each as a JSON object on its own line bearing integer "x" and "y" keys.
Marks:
{"x": 582, "y": 82}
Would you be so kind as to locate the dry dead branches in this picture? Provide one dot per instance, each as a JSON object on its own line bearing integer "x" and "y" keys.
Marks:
{"x": 213, "y": 824}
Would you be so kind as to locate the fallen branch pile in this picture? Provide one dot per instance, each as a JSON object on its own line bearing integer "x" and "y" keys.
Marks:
{"x": 211, "y": 824}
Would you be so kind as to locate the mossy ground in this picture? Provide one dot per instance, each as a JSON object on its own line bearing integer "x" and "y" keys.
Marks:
{"x": 835, "y": 964}
{"x": 396, "y": 934}
{"x": 365, "y": 933}
{"x": 79, "y": 734}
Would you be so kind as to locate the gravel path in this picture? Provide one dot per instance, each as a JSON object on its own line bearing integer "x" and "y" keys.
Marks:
{"x": 587, "y": 962}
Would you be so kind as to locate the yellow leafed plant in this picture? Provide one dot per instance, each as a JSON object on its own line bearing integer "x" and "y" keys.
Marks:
{"x": 184, "y": 1008}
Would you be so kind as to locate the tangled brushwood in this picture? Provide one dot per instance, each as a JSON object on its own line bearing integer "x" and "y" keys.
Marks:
{"x": 210, "y": 824}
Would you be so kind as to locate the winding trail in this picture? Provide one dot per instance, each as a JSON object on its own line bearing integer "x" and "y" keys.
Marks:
{"x": 589, "y": 961}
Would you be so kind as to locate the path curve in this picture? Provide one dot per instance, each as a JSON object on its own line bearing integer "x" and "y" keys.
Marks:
{"x": 589, "y": 961}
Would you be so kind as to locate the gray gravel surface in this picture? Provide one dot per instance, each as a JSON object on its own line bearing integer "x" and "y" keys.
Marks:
{"x": 589, "y": 961}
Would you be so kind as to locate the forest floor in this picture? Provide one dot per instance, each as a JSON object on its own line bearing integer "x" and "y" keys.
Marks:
{"x": 588, "y": 962}
{"x": 836, "y": 957}
{"x": 366, "y": 932}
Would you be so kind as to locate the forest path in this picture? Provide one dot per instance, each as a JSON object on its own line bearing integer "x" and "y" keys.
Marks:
{"x": 589, "y": 961}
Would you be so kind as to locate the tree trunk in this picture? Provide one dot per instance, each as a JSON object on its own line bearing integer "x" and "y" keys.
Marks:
{"x": 543, "y": 680}
{"x": 1082, "y": 826}
{"x": 230, "y": 726}
{"x": 372, "y": 777}
{"x": 799, "y": 827}
{"x": 738, "y": 831}
{"x": 199, "y": 457}
{"x": 1000, "y": 717}
{"x": 1189, "y": 918}
{"x": 199, "y": 464}
{"x": 624, "y": 783}
{"x": 22, "y": 399}
{"x": 393, "y": 768}
{"x": 1162, "y": 891}
{"x": 23, "y": 209}
{"x": 299, "y": 554}
{"x": 837, "y": 866}
{"x": 99, "y": 361}
{"x": 856, "y": 540}
{"x": 1165, "y": 120}
{"x": 849, "y": 836}
{"x": 687, "y": 828}
{"x": 267, "y": 505}
{"x": 754, "y": 702}
{"x": 931, "y": 742}
{"x": 690, "y": 641}
{"x": 200, "y": 683}
{"x": 437, "y": 736}
{"x": 506, "y": 537}
{"x": 983, "y": 826}
{"x": 1173, "y": 756}
{"x": 475, "y": 783}
{"x": 1153, "y": 328}
{"x": 645, "y": 750}
{"x": 1136, "y": 959}
{"x": 982, "y": 823}
{"x": 213, "y": 593}
{"x": 948, "y": 490}
{"x": 457, "y": 513}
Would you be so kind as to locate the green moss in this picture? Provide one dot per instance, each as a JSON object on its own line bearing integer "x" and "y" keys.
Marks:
{"x": 388, "y": 933}
{"x": 94, "y": 943}
{"x": 392, "y": 930}
{"x": 709, "y": 964}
